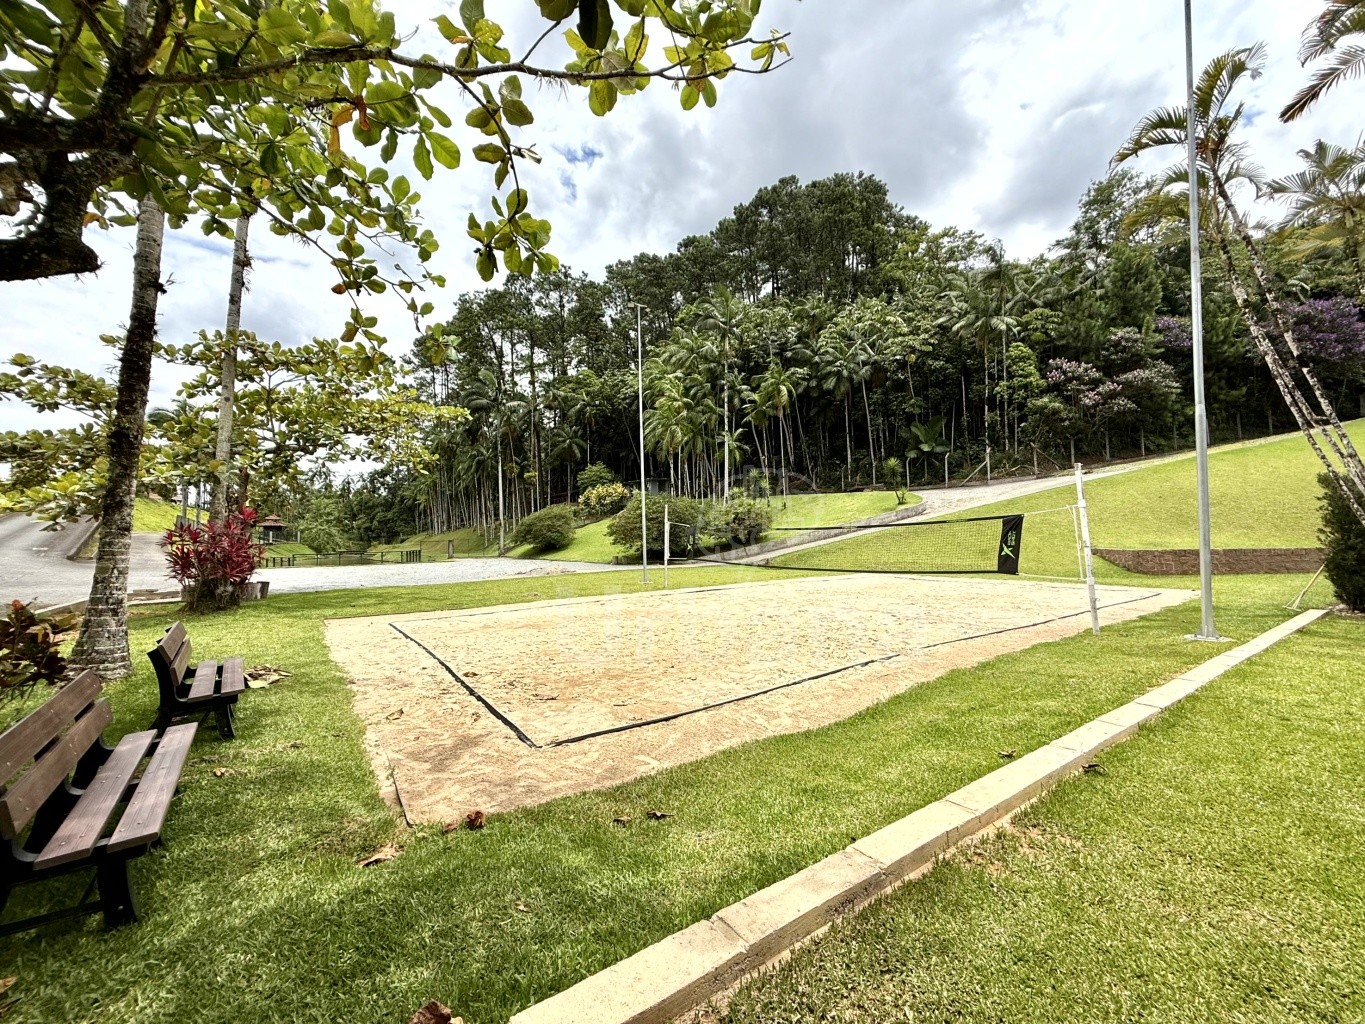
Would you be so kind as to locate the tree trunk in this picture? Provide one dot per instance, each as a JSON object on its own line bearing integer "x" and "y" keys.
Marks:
{"x": 222, "y": 451}
{"x": 103, "y": 641}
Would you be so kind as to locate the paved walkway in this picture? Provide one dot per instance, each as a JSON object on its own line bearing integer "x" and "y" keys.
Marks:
{"x": 33, "y": 567}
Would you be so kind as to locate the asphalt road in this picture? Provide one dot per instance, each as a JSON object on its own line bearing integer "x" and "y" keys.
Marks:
{"x": 33, "y": 567}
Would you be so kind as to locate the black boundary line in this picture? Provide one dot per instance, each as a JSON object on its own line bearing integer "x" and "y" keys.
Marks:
{"x": 470, "y": 690}
{"x": 743, "y": 697}
{"x": 1042, "y": 622}
{"x": 722, "y": 703}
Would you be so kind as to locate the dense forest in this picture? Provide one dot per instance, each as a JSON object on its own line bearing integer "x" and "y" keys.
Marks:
{"x": 826, "y": 337}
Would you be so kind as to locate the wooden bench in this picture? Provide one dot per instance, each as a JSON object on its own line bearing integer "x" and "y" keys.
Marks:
{"x": 61, "y": 792}
{"x": 189, "y": 689}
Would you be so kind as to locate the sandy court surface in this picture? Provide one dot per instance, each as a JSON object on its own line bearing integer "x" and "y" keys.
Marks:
{"x": 497, "y": 708}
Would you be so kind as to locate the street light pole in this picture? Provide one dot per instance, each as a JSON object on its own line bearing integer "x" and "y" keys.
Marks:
{"x": 640, "y": 368}
{"x": 1208, "y": 631}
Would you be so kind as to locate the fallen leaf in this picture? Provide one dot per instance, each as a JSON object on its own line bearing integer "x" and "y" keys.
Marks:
{"x": 6, "y": 984}
{"x": 448, "y": 827}
{"x": 218, "y": 773}
{"x": 434, "y": 1013}
{"x": 1009, "y": 755}
{"x": 296, "y": 745}
{"x": 263, "y": 675}
{"x": 384, "y": 853}
{"x": 523, "y": 907}
{"x": 622, "y": 821}
{"x": 1095, "y": 768}
{"x": 472, "y": 675}
{"x": 659, "y": 815}
{"x": 475, "y": 820}
{"x": 394, "y": 716}
{"x": 545, "y": 696}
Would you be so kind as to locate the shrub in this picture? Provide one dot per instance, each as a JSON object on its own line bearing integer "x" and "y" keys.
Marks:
{"x": 550, "y": 529}
{"x": 893, "y": 476}
{"x": 213, "y": 563}
{"x": 1343, "y": 541}
{"x": 742, "y": 521}
{"x": 603, "y": 500}
{"x": 323, "y": 524}
{"x": 30, "y": 649}
{"x": 624, "y": 530}
{"x": 594, "y": 475}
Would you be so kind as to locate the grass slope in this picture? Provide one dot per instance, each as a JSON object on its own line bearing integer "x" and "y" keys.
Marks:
{"x": 255, "y": 911}
{"x": 151, "y": 515}
{"x": 1212, "y": 874}
{"x": 1261, "y": 495}
{"x": 591, "y": 543}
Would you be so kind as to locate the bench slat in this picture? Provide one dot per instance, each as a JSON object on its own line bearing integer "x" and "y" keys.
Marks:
{"x": 21, "y": 741}
{"x": 205, "y": 678}
{"x": 78, "y": 835}
{"x": 146, "y": 811}
{"x": 234, "y": 676}
{"x": 21, "y": 803}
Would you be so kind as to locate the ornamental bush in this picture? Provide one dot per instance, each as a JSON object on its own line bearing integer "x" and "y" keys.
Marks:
{"x": 1343, "y": 542}
{"x": 593, "y": 476}
{"x": 603, "y": 500}
{"x": 550, "y": 529}
{"x": 742, "y": 521}
{"x": 213, "y": 563}
{"x": 686, "y": 515}
{"x": 30, "y": 649}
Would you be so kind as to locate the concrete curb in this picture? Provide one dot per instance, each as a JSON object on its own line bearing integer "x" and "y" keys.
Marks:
{"x": 690, "y": 967}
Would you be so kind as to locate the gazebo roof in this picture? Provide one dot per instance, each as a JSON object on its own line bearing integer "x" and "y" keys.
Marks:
{"x": 271, "y": 521}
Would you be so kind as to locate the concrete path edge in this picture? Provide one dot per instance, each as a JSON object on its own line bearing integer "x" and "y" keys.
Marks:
{"x": 691, "y": 967}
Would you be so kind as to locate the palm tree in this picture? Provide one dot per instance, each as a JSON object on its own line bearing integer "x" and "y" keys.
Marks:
{"x": 1328, "y": 197}
{"x": 1222, "y": 160}
{"x": 720, "y": 314}
{"x": 1339, "y": 20}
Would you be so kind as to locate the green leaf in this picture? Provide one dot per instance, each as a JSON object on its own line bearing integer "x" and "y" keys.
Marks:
{"x": 332, "y": 39}
{"x": 471, "y": 11}
{"x": 445, "y": 150}
{"x": 517, "y": 202}
{"x": 421, "y": 157}
{"x": 425, "y": 78}
{"x": 517, "y": 113}
{"x": 281, "y": 28}
{"x": 602, "y": 97}
{"x": 401, "y": 188}
{"x": 490, "y": 153}
{"x": 594, "y": 23}
{"x": 556, "y": 10}
{"x": 487, "y": 264}
{"x": 689, "y": 96}
{"x": 449, "y": 30}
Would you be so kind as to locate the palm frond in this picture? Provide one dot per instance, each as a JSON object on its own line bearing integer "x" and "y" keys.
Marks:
{"x": 1346, "y": 63}
{"x": 1165, "y": 126}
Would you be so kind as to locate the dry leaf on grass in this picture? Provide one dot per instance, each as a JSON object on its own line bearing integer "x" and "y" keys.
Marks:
{"x": 621, "y": 822}
{"x": 475, "y": 820}
{"x": 1008, "y": 755}
{"x": 6, "y": 984}
{"x": 262, "y": 676}
{"x": 385, "y": 853}
{"x": 659, "y": 815}
{"x": 221, "y": 773}
{"x": 448, "y": 827}
{"x": 1095, "y": 768}
{"x": 523, "y": 907}
{"x": 434, "y": 1013}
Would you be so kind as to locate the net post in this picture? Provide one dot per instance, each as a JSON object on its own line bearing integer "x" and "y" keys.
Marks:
{"x": 667, "y": 537}
{"x": 1089, "y": 556}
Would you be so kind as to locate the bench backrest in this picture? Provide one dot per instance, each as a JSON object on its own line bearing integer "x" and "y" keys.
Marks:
{"x": 41, "y": 750}
{"x": 171, "y": 657}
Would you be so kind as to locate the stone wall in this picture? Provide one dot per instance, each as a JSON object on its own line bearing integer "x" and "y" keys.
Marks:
{"x": 1226, "y": 561}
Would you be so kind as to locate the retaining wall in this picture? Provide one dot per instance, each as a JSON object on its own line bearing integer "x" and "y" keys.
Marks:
{"x": 1226, "y": 561}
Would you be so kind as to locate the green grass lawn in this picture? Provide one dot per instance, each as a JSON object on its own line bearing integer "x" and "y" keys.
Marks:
{"x": 255, "y": 911}
{"x": 152, "y": 515}
{"x": 1261, "y": 495}
{"x": 1211, "y": 874}
{"x": 286, "y": 548}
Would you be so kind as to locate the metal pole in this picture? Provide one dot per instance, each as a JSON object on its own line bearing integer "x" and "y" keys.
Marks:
{"x": 1089, "y": 558}
{"x": 640, "y": 366}
{"x": 1207, "y": 630}
{"x": 502, "y": 518}
{"x": 666, "y": 545}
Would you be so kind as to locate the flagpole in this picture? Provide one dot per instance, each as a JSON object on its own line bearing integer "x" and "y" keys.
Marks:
{"x": 1208, "y": 631}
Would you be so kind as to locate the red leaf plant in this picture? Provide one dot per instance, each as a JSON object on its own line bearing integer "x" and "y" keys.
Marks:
{"x": 212, "y": 563}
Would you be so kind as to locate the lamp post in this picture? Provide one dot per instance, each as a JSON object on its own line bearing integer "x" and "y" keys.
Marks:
{"x": 640, "y": 369}
{"x": 1207, "y": 629}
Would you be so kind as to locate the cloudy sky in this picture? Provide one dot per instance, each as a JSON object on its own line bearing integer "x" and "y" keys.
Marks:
{"x": 986, "y": 114}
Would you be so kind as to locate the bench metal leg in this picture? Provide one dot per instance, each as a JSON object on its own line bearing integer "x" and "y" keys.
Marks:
{"x": 223, "y": 712}
{"x": 116, "y": 892}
